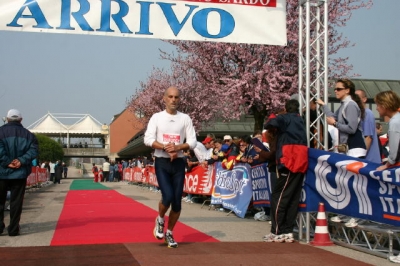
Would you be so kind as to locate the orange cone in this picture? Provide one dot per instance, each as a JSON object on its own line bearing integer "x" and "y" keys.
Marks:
{"x": 321, "y": 234}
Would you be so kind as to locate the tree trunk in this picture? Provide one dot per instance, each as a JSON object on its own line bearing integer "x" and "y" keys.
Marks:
{"x": 259, "y": 118}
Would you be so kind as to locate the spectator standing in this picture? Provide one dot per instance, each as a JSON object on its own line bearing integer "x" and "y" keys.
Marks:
{"x": 65, "y": 170}
{"x": 52, "y": 171}
{"x": 119, "y": 169}
{"x": 388, "y": 104}
{"x": 124, "y": 164}
{"x": 292, "y": 163}
{"x": 116, "y": 173}
{"x": 47, "y": 166}
{"x": 347, "y": 118}
{"x": 106, "y": 171}
{"x": 58, "y": 170}
{"x": 166, "y": 132}
{"x": 369, "y": 131}
{"x": 112, "y": 172}
{"x": 18, "y": 147}
{"x": 95, "y": 172}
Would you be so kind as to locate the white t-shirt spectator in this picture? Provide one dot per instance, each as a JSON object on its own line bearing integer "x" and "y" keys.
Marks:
{"x": 52, "y": 170}
{"x": 106, "y": 167}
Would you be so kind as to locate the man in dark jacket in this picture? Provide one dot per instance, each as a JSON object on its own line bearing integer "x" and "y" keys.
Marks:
{"x": 18, "y": 147}
{"x": 292, "y": 163}
{"x": 58, "y": 171}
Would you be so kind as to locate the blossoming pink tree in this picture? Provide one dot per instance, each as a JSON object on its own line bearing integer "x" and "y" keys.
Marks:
{"x": 222, "y": 80}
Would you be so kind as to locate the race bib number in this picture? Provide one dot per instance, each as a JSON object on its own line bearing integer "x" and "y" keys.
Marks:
{"x": 173, "y": 138}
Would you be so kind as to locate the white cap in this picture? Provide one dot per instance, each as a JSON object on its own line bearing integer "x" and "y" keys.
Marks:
{"x": 14, "y": 114}
{"x": 226, "y": 137}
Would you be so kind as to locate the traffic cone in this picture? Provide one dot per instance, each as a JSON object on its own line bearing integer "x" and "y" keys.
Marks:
{"x": 321, "y": 234}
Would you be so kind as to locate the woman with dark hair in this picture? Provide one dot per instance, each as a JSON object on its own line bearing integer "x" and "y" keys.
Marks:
{"x": 347, "y": 119}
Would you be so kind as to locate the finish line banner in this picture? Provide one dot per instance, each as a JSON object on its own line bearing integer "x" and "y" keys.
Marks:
{"x": 233, "y": 21}
{"x": 352, "y": 187}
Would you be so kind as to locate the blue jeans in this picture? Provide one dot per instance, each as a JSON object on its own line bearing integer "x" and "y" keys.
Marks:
{"x": 170, "y": 178}
{"x": 111, "y": 176}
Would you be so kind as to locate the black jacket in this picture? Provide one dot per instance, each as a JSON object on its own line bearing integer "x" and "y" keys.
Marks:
{"x": 16, "y": 142}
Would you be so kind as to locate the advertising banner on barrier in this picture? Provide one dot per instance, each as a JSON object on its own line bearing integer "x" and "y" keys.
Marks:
{"x": 261, "y": 185}
{"x": 31, "y": 180}
{"x": 233, "y": 21}
{"x": 38, "y": 175}
{"x": 352, "y": 187}
{"x": 199, "y": 181}
{"x": 151, "y": 176}
{"x": 345, "y": 185}
{"x": 232, "y": 188}
{"x": 128, "y": 174}
{"x": 42, "y": 174}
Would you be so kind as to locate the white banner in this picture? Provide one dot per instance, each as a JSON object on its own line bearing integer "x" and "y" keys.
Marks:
{"x": 233, "y": 21}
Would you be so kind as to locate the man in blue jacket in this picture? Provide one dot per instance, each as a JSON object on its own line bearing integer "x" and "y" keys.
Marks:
{"x": 292, "y": 163}
{"x": 18, "y": 147}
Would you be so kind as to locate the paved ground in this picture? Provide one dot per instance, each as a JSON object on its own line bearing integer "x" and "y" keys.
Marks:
{"x": 43, "y": 206}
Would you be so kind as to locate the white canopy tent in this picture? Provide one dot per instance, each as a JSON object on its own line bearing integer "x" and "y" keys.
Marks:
{"x": 80, "y": 126}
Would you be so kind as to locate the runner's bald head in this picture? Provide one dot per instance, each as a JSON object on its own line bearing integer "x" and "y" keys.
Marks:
{"x": 170, "y": 90}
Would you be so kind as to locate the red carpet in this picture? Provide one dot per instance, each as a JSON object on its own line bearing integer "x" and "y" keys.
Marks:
{"x": 105, "y": 216}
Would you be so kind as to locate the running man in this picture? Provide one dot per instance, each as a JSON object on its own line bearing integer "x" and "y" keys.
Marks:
{"x": 166, "y": 133}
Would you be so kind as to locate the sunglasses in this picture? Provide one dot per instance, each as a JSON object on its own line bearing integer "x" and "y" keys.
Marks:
{"x": 227, "y": 140}
{"x": 339, "y": 89}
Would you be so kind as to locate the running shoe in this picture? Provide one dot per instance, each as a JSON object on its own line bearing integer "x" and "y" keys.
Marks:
{"x": 158, "y": 230}
{"x": 269, "y": 237}
{"x": 169, "y": 240}
{"x": 395, "y": 259}
{"x": 289, "y": 238}
{"x": 280, "y": 238}
{"x": 351, "y": 223}
{"x": 336, "y": 219}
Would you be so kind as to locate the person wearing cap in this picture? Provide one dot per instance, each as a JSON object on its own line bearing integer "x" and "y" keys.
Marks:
{"x": 208, "y": 143}
{"x": 217, "y": 155}
{"x": 166, "y": 133}
{"x": 18, "y": 148}
{"x": 231, "y": 154}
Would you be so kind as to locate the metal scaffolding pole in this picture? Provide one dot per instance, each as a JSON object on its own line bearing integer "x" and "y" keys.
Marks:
{"x": 313, "y": 73}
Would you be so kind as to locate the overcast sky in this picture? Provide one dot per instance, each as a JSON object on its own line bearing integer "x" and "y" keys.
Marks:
{"x": 57, "y": 73}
